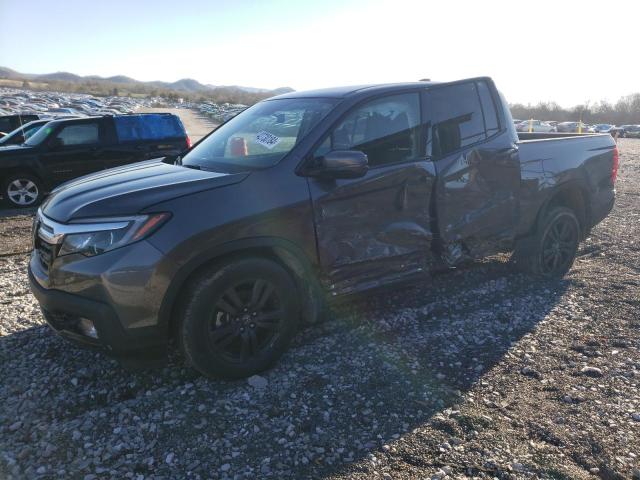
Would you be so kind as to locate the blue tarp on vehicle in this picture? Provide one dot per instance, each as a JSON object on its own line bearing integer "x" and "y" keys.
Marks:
{"x": 131, "y": 128}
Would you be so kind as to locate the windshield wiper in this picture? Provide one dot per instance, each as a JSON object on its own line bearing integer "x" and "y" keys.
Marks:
{"x": 195, "y": 167}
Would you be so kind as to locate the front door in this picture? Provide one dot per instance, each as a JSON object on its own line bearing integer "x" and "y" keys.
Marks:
{"x": 74, "y": 151}
{"x": 376, "y": 229}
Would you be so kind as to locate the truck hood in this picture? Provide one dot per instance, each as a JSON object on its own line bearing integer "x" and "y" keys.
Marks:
{"x": 130, "y": 189}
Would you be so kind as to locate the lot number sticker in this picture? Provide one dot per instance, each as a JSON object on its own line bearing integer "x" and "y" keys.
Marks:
{"x": 267, "y": 139}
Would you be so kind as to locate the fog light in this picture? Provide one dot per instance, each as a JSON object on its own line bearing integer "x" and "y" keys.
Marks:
{"x": 87, "y": 328}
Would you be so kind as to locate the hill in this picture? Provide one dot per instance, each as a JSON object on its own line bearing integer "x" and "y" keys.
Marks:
{"x": 123, "y": 85}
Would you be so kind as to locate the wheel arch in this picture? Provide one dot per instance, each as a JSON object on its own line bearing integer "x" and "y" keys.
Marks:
{"x": 285, "y": 253}
{"x": 573, "y": 195}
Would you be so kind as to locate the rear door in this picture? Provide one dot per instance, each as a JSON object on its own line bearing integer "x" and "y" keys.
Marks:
{"x": 376, "y": 229}
{"x": 478, "y": 172}
{"x": 76, "y": 149}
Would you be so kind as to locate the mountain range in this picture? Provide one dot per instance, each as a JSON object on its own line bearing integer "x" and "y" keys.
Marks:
{"x": 187, "y": 85}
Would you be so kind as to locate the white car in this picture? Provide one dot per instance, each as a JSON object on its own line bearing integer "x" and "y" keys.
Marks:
{"x": 535, "y": 126}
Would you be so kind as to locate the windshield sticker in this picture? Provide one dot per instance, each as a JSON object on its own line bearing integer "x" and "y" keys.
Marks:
{"x": 267, "y": 139}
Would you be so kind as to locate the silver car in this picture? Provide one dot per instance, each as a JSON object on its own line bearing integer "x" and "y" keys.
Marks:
{"x": 535, "y": 126}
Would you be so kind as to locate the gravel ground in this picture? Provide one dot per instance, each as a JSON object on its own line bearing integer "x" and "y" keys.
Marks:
{"x": 480, "y": 373}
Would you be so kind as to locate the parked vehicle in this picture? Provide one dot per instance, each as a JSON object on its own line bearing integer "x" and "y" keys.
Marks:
{"x": 21, "y": 134}
{"x": 572, "y": 127}
{"x": 302, "y": 197}
{"x": 65, "y": 149}
{"x": 607, "y": 128}
{"x": 8, "y": 123}
{"x": 534, "y": 126}
{"x": 632, "y": 131}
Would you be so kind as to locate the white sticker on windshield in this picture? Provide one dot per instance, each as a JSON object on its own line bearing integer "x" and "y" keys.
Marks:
{"x": 267, "y": 139}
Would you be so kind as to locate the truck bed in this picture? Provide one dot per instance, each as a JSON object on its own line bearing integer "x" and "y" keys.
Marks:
{"x": 548, "y": 160}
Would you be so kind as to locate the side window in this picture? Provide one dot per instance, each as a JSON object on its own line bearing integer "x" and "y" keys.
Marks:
{"x": 489, "y": 109}
{"x": 83, "y": 134}
{"x": 456, "y": 118}
{"x": 386, "y": 129}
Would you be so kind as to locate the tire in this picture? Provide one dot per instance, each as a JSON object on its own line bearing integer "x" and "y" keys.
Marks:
{"x": 239, "y": 318}
{"x": 22, "y": 190}
{"x": 552, "y": 250}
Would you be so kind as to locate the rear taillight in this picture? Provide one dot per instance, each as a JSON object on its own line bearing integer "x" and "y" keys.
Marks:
{"x": 614, "y": 168}
{"x": 188, "y": 142}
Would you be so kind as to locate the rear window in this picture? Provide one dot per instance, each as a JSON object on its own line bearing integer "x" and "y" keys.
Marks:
{"x": 133, "y": 128}
{"x": 489, "y": 109}
{"x": 457, "y": 120}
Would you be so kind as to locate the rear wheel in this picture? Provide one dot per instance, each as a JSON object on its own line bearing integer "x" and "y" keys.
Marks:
{"x": 552, "y": 251}
{"x": 239, "y": 318}
{"x": 22, "y": 190}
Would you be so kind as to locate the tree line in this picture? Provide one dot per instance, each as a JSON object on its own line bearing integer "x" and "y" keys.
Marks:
{"x": 626, "y": 111}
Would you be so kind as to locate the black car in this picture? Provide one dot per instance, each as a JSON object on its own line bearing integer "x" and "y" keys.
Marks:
{"x": 21, "y": 134}
{"x": 66, "y": 149}
{"x": 302, "y": 198}
{"x": 8, "y": 123}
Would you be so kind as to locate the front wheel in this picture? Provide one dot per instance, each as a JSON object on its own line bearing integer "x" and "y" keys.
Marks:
{"x": 23, "y": 190}
{"x": 239, "y": 317}
{"x": 554, "y": 246}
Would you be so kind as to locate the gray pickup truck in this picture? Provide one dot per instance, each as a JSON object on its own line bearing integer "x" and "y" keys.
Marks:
{"x": 302, "y": 197}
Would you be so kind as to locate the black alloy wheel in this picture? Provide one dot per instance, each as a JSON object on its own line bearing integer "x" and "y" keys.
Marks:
{"x": 246, "y": 320}
{"x": 239, "y": 317}
{"x": 559, "y": 245}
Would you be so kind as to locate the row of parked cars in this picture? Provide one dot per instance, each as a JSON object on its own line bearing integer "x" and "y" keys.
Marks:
{"x": 220, "y": 112}
{"x": 576, "y": 127}
{"x": 59, "y": 104}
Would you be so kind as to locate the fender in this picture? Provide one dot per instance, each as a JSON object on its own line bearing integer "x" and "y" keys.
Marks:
{"x": 555, "y": 192}
{"x": 285, "y": 252}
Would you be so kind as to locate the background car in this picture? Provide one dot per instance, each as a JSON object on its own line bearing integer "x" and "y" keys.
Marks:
{"x": 632, "y": 131}
{"x": 535, "y": 126}
{"x": 572, "y": 127}
{"x": 22, "y": 133}
{"x": 8, "y": 123}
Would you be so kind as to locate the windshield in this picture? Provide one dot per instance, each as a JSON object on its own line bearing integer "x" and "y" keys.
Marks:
{"x": 40, "y": 136}
{"x": 260, "y": 136}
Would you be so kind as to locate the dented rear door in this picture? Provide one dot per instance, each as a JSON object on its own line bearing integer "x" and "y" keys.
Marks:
{"x": 478, "y": 171}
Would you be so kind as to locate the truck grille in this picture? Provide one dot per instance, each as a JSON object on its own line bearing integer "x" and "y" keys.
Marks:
{"x": 46, "y": 253}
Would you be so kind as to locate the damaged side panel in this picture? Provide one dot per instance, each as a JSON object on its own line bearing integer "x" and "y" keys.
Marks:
{"x": 477, "y": 202}
{"x": 376, "y": 229}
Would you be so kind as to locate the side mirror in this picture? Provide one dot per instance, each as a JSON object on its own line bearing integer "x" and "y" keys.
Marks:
{"x": 342, "y": 164}
{"x": 56, "y": 143}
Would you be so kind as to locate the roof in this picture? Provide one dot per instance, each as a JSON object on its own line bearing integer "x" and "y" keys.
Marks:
{"x": 347, "y": 91}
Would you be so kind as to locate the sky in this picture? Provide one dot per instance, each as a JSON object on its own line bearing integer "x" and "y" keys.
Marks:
{"x": 570, "y": 52}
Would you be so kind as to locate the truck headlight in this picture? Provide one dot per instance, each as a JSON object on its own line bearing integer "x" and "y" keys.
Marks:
{"x": 96, "y": 237}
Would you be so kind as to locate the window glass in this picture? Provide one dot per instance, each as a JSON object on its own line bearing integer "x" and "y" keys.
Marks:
{"x": 83, "y": 134}
{"x": 260, "y": 136}
{"x": 456, "y": 118}
{"x": 5, "y": 125}
{"x": 385, "y": 129}
{"x": 148, "y": 127}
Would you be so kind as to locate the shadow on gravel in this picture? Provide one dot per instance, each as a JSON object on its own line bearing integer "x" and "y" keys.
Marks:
{"x": 384, "y": 366}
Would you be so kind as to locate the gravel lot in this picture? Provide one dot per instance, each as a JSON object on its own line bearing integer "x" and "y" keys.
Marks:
{"x": 480, "y": 373}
